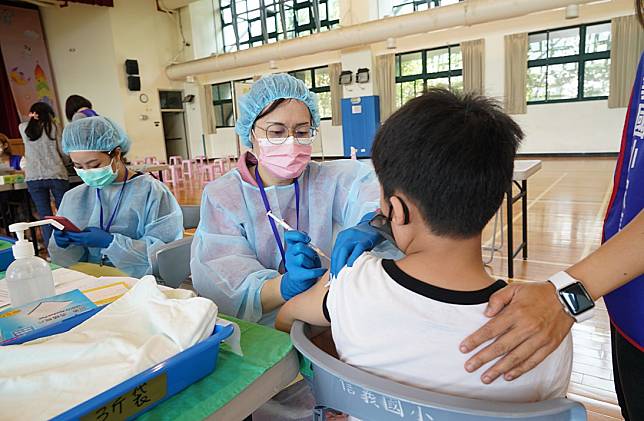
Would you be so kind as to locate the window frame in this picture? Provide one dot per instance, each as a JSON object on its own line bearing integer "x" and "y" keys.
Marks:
{"x": 424, "y": 75}
{"x": 314, "y": 88}
{"x": 431, "y": 4}
{"x": 580, "y": 59}
{"x": 265, "y": 14}
{"x": 221, "y": 102}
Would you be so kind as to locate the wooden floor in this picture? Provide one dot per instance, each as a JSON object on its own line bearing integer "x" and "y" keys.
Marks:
{"x": 567, "y": 202}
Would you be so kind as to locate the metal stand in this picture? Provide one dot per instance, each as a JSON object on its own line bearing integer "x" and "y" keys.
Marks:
{"x": 511, "y": 200}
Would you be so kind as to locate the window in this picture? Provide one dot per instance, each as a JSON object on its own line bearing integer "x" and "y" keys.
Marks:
{"x": 569, "y": 64}
{"x": 419, "y": 70}
{"x": 402, "y": 7}
{"x": 250, "y": 23}
{"x": 318, "y": 80}
{"x": 171, "y": 100}
{"x": 222, "y": 104}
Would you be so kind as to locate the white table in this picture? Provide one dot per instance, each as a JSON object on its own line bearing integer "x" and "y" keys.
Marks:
{"x": 523, "y": 169}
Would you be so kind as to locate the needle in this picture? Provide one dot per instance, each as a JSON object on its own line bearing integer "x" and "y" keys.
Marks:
{"x": 290, "y": 228}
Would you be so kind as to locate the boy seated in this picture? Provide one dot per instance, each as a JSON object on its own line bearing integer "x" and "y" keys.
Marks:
{"x": 444, "y": 162}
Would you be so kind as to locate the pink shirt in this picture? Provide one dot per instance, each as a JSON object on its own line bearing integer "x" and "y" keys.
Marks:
{"x": 243, "y": 163}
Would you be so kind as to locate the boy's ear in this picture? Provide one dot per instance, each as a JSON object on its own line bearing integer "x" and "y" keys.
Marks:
{"x": 398, "y": 214}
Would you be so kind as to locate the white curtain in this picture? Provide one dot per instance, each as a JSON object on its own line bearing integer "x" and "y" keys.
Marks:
{"x": 210, "y": 123}
{"x": 627, "y": 43}
{"x": 385, "y": 81}
{"x": 473, "y": 66}
{"x": 336, "y": 93}
{"x": 516, "y": 69}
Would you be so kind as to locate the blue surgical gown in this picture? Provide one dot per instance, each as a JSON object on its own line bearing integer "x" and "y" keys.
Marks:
{"x": 149, "y": 217}
{"x": 234, "y": 250}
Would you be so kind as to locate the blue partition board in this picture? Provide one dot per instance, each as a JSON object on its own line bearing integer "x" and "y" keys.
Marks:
{"x": 360, "y": 121}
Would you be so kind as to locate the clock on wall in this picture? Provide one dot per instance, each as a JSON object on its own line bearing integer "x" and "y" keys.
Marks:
{"x": 143, "y": 98}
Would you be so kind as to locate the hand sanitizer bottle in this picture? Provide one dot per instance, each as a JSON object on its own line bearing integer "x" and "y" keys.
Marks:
{"x": 29, "y": 277}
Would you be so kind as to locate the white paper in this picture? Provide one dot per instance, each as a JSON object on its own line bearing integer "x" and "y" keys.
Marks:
{"x": 234, "y": 340}
{"x": 66, "y": 280}
{"x": 99, "y": 295}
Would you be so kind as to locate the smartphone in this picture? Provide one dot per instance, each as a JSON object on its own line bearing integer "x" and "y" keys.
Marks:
{"x": 69, "y": 226}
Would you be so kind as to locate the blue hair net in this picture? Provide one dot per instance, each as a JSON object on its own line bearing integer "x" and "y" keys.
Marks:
{"x": 99, "y": 134}
{"x": 266, "y": 90}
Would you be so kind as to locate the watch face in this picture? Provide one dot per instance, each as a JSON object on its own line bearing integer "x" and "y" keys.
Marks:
{"x": 576, "y": 298}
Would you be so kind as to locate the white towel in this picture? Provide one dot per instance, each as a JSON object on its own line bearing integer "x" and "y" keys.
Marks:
{"x": 146, "y": 326}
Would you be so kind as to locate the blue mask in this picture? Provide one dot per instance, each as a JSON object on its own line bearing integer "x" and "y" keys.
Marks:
{"x": 98, "y": 177}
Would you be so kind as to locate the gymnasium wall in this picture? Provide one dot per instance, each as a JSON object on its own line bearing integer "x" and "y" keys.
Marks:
{"x": 587, "y": 126}
{"x": 88, "y": 46}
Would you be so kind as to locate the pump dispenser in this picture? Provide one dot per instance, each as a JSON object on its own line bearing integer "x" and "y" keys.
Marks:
{"x": 29, "y": 277}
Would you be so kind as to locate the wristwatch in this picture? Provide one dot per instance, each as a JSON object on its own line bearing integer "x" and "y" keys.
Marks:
{"x": 576, "y": 301}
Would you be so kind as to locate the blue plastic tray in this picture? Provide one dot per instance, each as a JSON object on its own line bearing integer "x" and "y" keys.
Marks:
{"x": 148, "y": 389}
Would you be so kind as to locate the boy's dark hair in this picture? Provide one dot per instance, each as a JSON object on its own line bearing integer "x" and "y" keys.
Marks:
{"x": 453, "y": 155}
{"x": 75, "y": 103}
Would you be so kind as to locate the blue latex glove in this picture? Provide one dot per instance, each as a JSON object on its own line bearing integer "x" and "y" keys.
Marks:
{"x": 302, "y": 264}
{"x": 352, "y": 242}
{"x": 91, "y": 237}
{"x": 61, "y": 238}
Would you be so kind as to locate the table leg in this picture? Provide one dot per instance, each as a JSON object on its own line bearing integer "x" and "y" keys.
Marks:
{"x": 510, "y": 201}
{"x": 30, "y": 217}
{"x": 524, "y": 207}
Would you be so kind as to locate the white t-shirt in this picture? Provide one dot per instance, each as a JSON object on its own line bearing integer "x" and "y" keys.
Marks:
{"x": 390, "y": 324}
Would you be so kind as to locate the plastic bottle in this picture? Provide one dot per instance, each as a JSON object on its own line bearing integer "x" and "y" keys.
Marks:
{"x": 29, "y": 277}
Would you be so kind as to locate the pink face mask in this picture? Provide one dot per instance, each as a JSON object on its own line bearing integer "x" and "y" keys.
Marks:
{"x": 287, "y": 160}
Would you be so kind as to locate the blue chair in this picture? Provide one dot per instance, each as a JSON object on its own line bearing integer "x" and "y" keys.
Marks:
{"x": 339, "y": 386}
{"x": 191, "y": 216}
{"x": 171, "y": 262}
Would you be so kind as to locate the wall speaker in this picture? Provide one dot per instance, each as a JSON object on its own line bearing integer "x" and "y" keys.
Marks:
{"x": 362, "y": 75}
{"x": 346, "y": 77}
{"x": 134, "y": 83}
{"x": 131, "y": 67}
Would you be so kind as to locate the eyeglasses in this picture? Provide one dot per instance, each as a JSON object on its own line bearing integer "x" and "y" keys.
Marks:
{"x": 382, "y": 223}
{"x": 277, "y": 133}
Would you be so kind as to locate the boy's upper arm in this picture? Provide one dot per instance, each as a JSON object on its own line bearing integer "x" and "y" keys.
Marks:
{"x": 306, "y": 306}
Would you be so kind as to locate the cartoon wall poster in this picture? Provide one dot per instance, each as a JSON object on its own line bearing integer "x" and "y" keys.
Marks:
{"x": 26, "y": 60}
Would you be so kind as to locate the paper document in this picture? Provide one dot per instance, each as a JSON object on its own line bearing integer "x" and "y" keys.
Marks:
{"x": 106, "y": 294}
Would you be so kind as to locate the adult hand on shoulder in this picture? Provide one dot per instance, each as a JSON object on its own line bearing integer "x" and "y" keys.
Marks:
{"x": 92, "y": 237}
{"x": 528, "y": 323}
{"x": 352, "y": 242}
{"x": 302, "y": 264}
